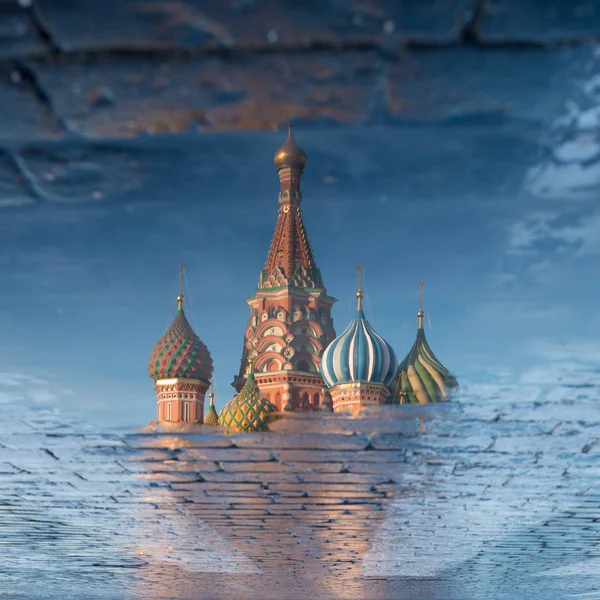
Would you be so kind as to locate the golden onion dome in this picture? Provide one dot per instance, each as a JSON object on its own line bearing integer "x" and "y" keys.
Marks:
{"x": 290, "y": 154}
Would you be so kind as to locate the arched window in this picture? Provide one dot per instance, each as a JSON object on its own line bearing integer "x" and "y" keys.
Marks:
{"x": 168, "y": 411}
{"x": 278, "y": 400}
{"x": 315, "y": 399}
{"x": 302, "y": 365}
{"x": 186, "y": 411}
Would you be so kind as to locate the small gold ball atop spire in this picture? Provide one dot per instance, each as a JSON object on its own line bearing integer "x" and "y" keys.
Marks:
{"x": 180, "y": 299}
{"x": 290, "y": 154}
{"x": 360, "y": 296}
{"x": 211, "y": 395}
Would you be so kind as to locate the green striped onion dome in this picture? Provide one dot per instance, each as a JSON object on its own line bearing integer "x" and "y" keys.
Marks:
{"x": 422, "y": 378}
{"x": 180, "y": 353}
{"x": 211, "y": 417}
{"x": 248, "y": 411}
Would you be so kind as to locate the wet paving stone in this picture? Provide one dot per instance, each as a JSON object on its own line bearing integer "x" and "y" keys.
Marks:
{"x": 146, "y": 24}
{"x": 439, "y": 504}
{"x": 126, "y": 97}
{"x": 13, "y": 191}
{"x": 546, "y": 22}
{"x": 18, "y": 34}
{"x": 24, "y": 114}
{"x": 461, "y": 82}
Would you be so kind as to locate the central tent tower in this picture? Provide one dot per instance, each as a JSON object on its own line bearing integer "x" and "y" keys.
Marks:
{"x": 290, "y": 321}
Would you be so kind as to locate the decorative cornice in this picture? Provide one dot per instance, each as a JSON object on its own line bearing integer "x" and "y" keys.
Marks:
{"x": 358, "y": 385}
{"x": 180, "y": 380}
{"x": 293, "y": 292}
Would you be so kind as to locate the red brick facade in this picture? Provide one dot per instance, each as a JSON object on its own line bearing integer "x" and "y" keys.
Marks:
{"x": 351, "y": 397}
{"x": 180, "y": 400}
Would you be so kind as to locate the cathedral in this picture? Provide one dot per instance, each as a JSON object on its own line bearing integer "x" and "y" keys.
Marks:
{"x": 292, "y": 359}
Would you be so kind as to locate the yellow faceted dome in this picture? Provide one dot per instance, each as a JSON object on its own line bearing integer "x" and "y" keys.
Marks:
{"x": 290, "y": 154}
{"x": 248, "y": 411}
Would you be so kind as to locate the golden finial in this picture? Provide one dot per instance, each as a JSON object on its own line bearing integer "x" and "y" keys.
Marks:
{"x": 290, "y": 154}
{"x": 211, "y": 395}
{"x": 359, "y": 292}
{"x": 180, "y": 297}
{"x": 421, "y": 314}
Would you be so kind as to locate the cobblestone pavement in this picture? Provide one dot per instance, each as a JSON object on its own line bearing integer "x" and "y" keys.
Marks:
{"x": 480, "y": 499}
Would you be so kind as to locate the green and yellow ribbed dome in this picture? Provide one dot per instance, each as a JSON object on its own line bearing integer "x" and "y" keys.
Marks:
{"x": 422, "y": 378}
{"x": 211, "y": 417}
{"x": 248, "y": 411}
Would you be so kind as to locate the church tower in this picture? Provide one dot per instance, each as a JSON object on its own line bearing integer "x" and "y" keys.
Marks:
{"x": 290, "y": 313}
{"x": 181, "y": 367}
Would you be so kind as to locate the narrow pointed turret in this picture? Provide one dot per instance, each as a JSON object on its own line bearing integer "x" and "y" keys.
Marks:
{"x": 359, "y": 365}
{"x": 421, "y": 377}
{"x": 290, "y": 261}
{"x": 211, "y": 417}
{"x": 290, "y": 313}
{"x": 181, "y": 367}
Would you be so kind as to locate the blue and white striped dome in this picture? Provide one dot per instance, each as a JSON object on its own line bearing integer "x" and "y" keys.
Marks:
{"x": 359, "y": 354}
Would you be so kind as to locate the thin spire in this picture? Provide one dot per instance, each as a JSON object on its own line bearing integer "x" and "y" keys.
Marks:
{"x": 180, "y": 298}
{"x": 359, "y": 292}
{"x": 421, "y": 314}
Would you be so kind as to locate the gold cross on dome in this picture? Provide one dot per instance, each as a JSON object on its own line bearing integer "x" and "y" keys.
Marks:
{"x": 180, "y": 280}
{"x": 359, "y": 273}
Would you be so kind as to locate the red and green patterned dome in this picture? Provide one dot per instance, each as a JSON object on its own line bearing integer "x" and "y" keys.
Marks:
{"x": 248, "y": 411}
{"x": 180, "y": 352}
